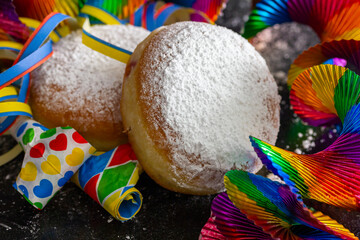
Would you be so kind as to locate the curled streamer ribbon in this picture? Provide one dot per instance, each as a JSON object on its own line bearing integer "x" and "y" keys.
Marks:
{"x": 53, "y": 156}
{"x": 326, "y": 18}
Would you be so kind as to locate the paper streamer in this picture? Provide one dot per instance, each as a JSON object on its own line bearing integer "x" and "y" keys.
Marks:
{"x": 348, "y": 50}
{"x": 35, "y": 51}
{"x": 320, "y": 95}
{"x": 110, "y": 178}
{"x": 156, "y": 14}
{"x": 227, "y": 222}
{"x": 274, "y": 208}
{"x": 330, "y": 19}
{"x": 51, "y": 158}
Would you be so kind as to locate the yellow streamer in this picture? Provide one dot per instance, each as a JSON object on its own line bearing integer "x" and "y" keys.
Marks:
{"x": 14, "y": 107}
{"x": 8, "y": 91}
{"x": 105, "y": 49}
{"x": 9, "y": 44}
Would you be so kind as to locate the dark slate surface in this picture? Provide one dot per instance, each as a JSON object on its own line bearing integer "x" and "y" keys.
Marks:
{"x": 165, "y": 215}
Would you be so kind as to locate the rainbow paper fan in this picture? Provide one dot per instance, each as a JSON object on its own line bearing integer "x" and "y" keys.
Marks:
{"x": 348, "y": 50}
{"x": 212, "y": 8}
{"x": 10, "y": 26}
{"x": 274, "y": 208}
{"x": 324, "y": 94}
{"x": 123, "y": 9}
{"x": 330, "y": 19}
{"x": 39, "y": 9}
{"x": 227, "y": 221}
{"x": 321, "y": 95}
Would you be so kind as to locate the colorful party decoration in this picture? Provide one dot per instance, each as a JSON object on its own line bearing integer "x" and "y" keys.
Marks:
{"x": 35, "y": 51}
{"x": 156, "y": 14}
{"x": 51, "y": 158}
{"x": 324, "y": 94}
{"x": 343, "y": 51}
{"x": 10, "y": 26}
{"x": 110, "y": 179}
{"x": 274, "y": 208}
{"x": 228, "y": 222}
{"x": 122, "y": 9}
{"x": 39, "y": 9}
{"x": 330, "y": 19}
{"x": 212, "y": 8}
{"x": 321, "y": 95}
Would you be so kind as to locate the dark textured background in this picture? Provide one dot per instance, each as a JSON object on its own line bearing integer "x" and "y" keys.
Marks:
{"x": 165, "y": 215}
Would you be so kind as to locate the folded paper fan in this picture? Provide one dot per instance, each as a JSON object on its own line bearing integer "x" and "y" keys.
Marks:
{"x": 10, "y": 25}
{"x": 39, "y": 9}
{"x": 110, "y": 179}
{"x": 120, "y": 8}
{"x": 212, "y": 8}
{"x": 227, "y": 222}
{"x": 346, "y": 51}
{"x": 324, "y": 94}
{"x": 274, "y": 208}
{"x": 330, "y": 19}
{"x": 331, "y": 176}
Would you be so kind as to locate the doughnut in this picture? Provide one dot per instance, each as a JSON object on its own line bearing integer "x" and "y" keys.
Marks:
{"x": 81, "y": 88}
{"x": 192, "y": 95}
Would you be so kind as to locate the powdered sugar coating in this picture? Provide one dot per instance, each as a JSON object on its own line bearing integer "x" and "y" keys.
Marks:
{"x": 87, "y": 83}
{"x": 207, "y": 91}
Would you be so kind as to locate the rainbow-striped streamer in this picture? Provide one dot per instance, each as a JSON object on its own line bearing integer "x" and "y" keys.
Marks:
{"x": 323, "y": 94}
{"x": 348, "y": 50}
{"x": 10, "y": 26}
{"x": 110, "y": 178}
{"x": 275, "y": 209}
{"x": 227, "y": 222}
{"x": 330, "y": 19}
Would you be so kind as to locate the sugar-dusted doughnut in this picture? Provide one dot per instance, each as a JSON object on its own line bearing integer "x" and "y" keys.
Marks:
{"x": 81, "y": 88}
{"x": 192, "y": 95}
